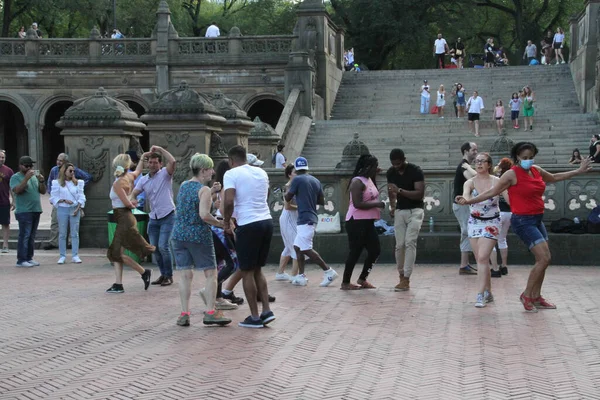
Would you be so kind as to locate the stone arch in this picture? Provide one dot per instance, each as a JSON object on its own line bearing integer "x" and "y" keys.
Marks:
{"x": 14, "y": 129}
{"x": 267, "y": 106}
{"x": 51, "y": 142}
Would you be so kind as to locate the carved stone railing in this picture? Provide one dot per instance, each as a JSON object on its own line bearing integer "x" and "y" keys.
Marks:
{"x": 11, "y": 48}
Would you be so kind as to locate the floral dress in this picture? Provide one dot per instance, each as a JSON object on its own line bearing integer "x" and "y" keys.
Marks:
{"x": 484, "y": 221}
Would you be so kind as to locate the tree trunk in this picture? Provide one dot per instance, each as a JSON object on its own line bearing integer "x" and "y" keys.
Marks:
{"x": 6, "y": 18}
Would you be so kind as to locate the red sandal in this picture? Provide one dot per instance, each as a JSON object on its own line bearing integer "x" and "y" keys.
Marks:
{"x": 540, "y": 302}
{"x": 528, "y": 303}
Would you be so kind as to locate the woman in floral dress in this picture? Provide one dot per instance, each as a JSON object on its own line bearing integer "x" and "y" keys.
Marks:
{"x": 484, "y": 224}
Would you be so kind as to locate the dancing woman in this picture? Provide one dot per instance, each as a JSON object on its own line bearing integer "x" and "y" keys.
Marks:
{"x": 287, "y": 225}
{"x": 526, "y": 184}
{"x": 127, "y": 235}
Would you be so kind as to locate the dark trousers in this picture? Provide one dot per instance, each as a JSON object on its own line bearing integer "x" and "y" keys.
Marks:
{"x": 361, "y": 235}
{"x": 28, "y": 225}
{"x": 439, "y": 60}
{"x": 221, "y": 253}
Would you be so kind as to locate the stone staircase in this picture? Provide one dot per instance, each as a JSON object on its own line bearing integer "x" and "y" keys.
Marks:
{"x": 383, "y": 108}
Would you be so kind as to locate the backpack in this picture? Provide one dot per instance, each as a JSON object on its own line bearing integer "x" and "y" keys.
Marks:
{"x": 593, "y": 221}
{"x": 566, "y": 225}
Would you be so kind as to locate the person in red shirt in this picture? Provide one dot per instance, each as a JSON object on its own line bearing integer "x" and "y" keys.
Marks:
{"x": 6, "y": 200}
{"x": 526, "y": 184}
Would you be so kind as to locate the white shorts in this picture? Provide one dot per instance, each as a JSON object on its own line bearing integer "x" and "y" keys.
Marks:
{"x": 287, "y": 226}
{"x": 304, "y": 236}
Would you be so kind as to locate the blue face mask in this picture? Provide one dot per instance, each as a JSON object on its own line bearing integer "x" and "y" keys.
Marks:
{"x": 527, "y": 164}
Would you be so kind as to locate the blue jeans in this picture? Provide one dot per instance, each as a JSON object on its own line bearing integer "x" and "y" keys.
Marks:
{"x": 159, "y": 233}
{"x": 530, "y": 229}
{"x": 66, "y": 220}
{"x": 425, "y": 105}
{"x": 28, "y": 225}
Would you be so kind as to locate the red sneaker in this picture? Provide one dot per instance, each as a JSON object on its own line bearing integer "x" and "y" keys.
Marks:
{"x": 528, "y": 303}
{"x": 540, "y": 302}
{"x": 516, "y": 126}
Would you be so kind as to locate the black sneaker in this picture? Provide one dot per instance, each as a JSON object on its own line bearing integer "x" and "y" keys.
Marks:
{"x": 232, "y": 298}
{"x": 496, "y": 274}
{"x": 504, "y": 270}
{"x": 251, "y": 323}
{"x": 267, "y": 317}
{"x": 146, "y": 278}
{"x": 115, "y": 288}
{"x": 271, "y": 299}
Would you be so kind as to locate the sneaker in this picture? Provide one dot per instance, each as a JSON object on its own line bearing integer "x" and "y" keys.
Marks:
{"x": 271, "y": 298}
{"x": 300, "y": 280}
{"x": 183, "y": 320}
{"x": 216, "y": 318}
{"x": 467, "y": 270}
{"x": 404, "y": 284}
{"x": 527, "y": 303}
{"x": 496, "y": 274}
{"x": 251, "y": 323}
{"x": 115, "y": 288}
{"x": 517, "y": 126}
{"x": 328, "y": 277}
{"x": 503, "y": 270}
{"x": 542, "y": 303}
{"x": 282, "y": 277}
{"x": 350, "y": 286}
{"x": 5, "y": 249}
{"x": 488, "y": 297}
{"x": 224, "y": 304}
{"x": 76, "y": 260}
{"x": 24, "y": 264}
{"x": 480, "y": 302}
{"x": 233, "y": 298}
{"x": 167, "y": 281}
{"x": 34, "y": 263}
{"x": 158, "y": 281}
{"x": 61, "y": 260}
{"x": 146, "y": 278}
{"x": 267, "y": 317}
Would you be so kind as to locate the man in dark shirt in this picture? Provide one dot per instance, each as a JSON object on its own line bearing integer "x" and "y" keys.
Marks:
{"x": 406, "y": 189}
{"x": 308, "y": 192}
{"x": 464, "y": 172}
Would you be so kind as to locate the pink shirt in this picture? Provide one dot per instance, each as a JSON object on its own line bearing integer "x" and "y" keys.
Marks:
{"x": 369, "y": 194}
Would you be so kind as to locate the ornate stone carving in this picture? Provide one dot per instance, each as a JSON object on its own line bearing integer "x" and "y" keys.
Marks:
{"x": 352, "y": 152}
{"x": 229, "y": 108}
{"x": 183, "y": 171}
{"x": 502, "y": 145}
{"x": 92, "y": 141}
{"x": 177, "y": 138}
{"x": 182, "y": 100}
{"x": 217, "y": 149}
{"x": 583, "y": 194}
{"x": 99, "y": 107}
{"x": 433, "y": 194}
{"x": 94, "y": 165}
{"x": 134, "y": 144}
{"x": 548, "y": 197}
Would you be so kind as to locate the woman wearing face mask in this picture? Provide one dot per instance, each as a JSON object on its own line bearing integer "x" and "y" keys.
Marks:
{"x": 526, "y": 184}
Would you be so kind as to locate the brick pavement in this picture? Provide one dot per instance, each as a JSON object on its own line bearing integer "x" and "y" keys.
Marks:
{"x": 62, "y": 337}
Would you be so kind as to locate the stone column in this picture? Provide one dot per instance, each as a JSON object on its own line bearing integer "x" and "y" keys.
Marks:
{"x": 238, "y": 125}
{"x": 263, "y": 141}
{"x": 163, "y": 32}
{"x": 97, "y": 129}
{"x": 183, "y": 121}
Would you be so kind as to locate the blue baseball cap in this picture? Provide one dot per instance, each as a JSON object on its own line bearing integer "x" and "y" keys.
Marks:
{"x": 300, "y": 163}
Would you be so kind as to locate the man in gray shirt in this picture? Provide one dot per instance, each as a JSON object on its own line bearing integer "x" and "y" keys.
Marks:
{"x": 308, "y": 192}
{"x": 530, "y": 52}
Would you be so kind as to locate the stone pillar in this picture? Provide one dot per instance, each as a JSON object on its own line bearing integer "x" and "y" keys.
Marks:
{"x": 97, "y": 129}
{"x": 183, "y": 121}
{"x": 263, "y": 141}
{"x": 300, "y": 73}
{"x": 163, "y": 32}
{"x": 238, "y": 125}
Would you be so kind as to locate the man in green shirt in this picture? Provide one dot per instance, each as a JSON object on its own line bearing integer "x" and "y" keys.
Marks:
{"x": 27, "y": 185}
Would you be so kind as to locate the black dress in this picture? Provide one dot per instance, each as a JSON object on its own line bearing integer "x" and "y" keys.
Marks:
{"x": 593, "y": 151}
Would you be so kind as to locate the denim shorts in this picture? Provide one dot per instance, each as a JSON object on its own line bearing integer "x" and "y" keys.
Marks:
{"x": 529, "y": 228}
{"x": 198, "y": 256}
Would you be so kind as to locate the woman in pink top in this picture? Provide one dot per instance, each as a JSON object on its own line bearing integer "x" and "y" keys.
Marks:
{"x": 499, "y": 115}
{"x": 363, "y": 211}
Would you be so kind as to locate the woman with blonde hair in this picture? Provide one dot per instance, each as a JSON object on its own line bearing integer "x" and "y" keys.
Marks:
{"x": 441, "y": 101}
{"x": 69, "y": 200}
{"x": 192, "y": 243}
{"x": 126, "y": 235}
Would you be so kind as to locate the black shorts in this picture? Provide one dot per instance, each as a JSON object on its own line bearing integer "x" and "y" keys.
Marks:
{"x": 557, "y": 45}
{"x": 499, "y": 118}
{"x": 514, "y": 115}
{"x": 490, "y": 57}
{"x": 473, "y": 116}
{"x": 4, "y": 215}
{"x": 253, "y": 242}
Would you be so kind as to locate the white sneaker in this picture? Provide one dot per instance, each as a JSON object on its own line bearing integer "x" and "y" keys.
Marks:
{"x": 300, "y": 280}
{"x": 61, "y": 260}
{"x": 282, "y": 277}
{"x": 24, "y": 264}
{"x": 328, "y": 277}
{"x": 224, "y": 304}
{"x": 34, "y": 263}
{"x": 76, "y": 260}
{"x": 480, "y": 302}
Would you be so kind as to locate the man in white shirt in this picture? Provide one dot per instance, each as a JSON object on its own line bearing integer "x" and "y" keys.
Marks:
{"x": 212, "y": 31}
{"x": 440, "y": 48}
{"x": 246, "y": 192}
{"x": 280, "y": 158}
{"x": 425, "y": 97}
{"x": 475, "y": 106}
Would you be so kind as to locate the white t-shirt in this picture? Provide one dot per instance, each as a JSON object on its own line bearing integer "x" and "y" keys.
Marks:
{"x": 559, "y": 37}
{"x": 440, "y": 46}
{"x": 251, "y": 186}
{"x": 475, "y": 105}
{"x": 425, "y": 91}
{"x": 213, "y": 31}
{"x": 279, "y": 160}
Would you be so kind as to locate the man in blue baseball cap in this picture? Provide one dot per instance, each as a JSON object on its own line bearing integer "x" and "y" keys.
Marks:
{"x": 308, "y": 192}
